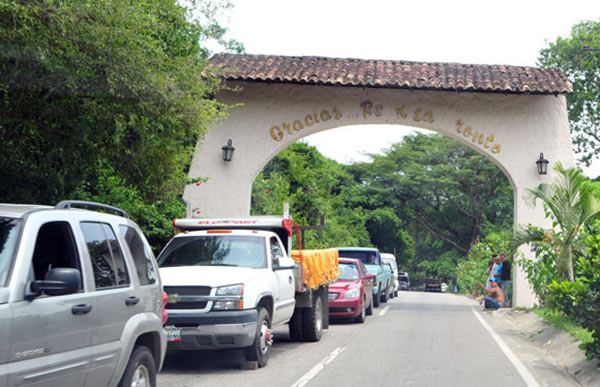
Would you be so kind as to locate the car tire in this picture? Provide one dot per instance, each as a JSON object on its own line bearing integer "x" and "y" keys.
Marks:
{"x": 141, "y": 368}
{"x": 369, "y": 310}
{"x": 363, "y": 313}
{"x": 395, "y": 293}
{"x": 376, "y": 299}
{"x": 259, "y": 350}
{"x": 312, "y": 320}
{"x": 295, "y": 326}
{"x": 392, "y": 295}
{"x": 384, "y": 296}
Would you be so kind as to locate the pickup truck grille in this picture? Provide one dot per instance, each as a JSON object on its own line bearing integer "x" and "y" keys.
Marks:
{"x": 174, "y": 291}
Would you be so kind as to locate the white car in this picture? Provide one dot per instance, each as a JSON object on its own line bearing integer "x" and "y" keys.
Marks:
{"x": 391, "y": 260}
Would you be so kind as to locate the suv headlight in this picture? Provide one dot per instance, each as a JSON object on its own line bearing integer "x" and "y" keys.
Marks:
{"x": 232, "y": 298}
{"x": 352, "y": 293}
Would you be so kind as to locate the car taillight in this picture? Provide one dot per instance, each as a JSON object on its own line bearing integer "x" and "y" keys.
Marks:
{"x": 165, "y": 314}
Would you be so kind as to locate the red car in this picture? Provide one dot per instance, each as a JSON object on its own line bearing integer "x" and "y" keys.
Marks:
{"x": 352, "y": 294}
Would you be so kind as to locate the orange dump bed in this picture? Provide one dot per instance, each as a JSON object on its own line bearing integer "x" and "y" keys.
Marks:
{"x": 320, "y": 267}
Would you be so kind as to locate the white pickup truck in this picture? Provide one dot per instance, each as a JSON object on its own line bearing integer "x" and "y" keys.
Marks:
{"x": 230, "y": 281}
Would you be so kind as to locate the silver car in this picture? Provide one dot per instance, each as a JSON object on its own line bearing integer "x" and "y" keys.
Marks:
{"x": 81, "y": 303}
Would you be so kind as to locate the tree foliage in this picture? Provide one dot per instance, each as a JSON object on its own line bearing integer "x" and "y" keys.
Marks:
{"x": 105, "y": 99}
{"x": 105, "y": 81}
{"x": 582, "y": 66}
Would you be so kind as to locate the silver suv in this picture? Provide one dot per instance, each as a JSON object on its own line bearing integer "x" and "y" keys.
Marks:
{"x": 81, "y": 302}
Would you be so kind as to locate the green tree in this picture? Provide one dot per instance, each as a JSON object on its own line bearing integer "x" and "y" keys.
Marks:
{"x": 104, "y": 100}
{"x": 440, "y": 186}
{"x": 90, "y": 82}
{"x": 582, "y": 66}
{"x": 569, "y": 202}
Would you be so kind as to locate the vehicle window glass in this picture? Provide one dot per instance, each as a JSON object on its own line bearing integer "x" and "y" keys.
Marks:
{"x": 276, "y": 252}
{"x": 107, "y": 260}
{"x": 54, "y": 247}
{"x": 142, "y": 256}
{"x": 363, "y": 269}
{"x": 9, "y": 231}
{"x": 348, "y": 271}
{"x": 367, "y": 257}
{"x": 213, "y": 250}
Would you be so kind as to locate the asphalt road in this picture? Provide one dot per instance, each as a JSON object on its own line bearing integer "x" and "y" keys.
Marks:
{"x": 417, "y": 339}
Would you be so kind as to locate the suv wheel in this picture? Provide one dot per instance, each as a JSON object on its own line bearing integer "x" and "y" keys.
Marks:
{"x": 259, "y": 350}
{"x": 141, "y": 369}
{"x": 369, "y": 310}
{"x": 376, "y": 298}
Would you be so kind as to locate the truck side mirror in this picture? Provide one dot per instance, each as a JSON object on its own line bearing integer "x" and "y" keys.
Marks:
{"x": 57, "y": 282}
{"x": 370, "y": 277}
{"x": 285, "y": 264}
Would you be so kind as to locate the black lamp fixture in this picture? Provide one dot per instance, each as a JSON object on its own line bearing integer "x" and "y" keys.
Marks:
{"x": 542, "y": 165}
{"x": 228, "y": 151}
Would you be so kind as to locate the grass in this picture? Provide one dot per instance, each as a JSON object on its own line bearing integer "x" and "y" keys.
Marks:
{"x": 562, "y": 321}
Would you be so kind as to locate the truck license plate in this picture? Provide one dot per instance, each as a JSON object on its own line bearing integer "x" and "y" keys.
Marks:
{"x": 173, "y": 334}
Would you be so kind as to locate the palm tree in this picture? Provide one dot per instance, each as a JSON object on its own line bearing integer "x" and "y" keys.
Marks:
{"x": 570, "y": 204}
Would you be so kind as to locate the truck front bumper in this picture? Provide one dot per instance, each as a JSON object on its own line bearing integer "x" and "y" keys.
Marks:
{"x": 214, "y": 330}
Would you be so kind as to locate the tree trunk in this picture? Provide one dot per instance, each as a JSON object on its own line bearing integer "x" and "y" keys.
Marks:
{"x": 568, "y": 257}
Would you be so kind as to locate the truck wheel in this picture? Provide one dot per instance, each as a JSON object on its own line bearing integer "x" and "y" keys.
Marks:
{"x": 141, "y": 369}
{"x": 376, "y": 298}
{"x": 312, "y": 320}
{"x": 369, "y": 310}
{"x": 295, "y": 325}
{"x": 395, "y": 293}
{"x": 384, "y": 296}
{"x": 392, "y": 295}
{"x": 363, "y": 313}
{"x": 259, "y": 350}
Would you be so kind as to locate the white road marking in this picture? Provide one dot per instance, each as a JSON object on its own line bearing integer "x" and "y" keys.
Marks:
{"x": 523, "y": 371}
{"x": 316, "y": 369}
{"x": 384, "y": 310}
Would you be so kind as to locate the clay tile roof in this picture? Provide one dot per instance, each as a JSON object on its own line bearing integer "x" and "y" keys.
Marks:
{"x": 311, "y": 70}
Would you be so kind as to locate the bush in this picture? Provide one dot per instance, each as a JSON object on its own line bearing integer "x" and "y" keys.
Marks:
{"x": 541, "y": 272}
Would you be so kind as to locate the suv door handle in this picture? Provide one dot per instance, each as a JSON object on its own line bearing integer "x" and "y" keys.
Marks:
{"x": 132, "y": 300}
{"x": 81, "y": 309}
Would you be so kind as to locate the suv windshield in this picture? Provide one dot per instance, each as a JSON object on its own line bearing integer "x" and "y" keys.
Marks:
{"x": 367, "y": 257}
{"x": 229, "y": 250}
{"x": 9, "y": 230}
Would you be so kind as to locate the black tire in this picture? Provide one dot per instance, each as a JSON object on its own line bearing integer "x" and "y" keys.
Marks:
{"x": 259, "y": 350}
{"x": 369, "y": 310}
{"x": 141, "y": 365}
{"x": 384, "y": 296}
{"x": 395, "y": 293}
{"x": 363, "y": 313}
{"x": 312, "y": 320}
{"x": 295, "y": 326}
{"x": 392, "y": 294}
{"x": 376, "y": 298}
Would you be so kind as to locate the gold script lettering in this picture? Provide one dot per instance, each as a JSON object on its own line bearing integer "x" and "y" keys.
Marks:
{"x": 468, "y": 131}
{"x": 287, "y": 127}
{"x": 337, "y": 114}
{"x": 459, "y": 124}
{"x": 488, "y": 140}
{"x": 325, "y": 116}
{"x": 308, "y": 120}
{"x": 417, "y": 115}
{"x": 276, "y": 133}
{"x": 496, "y": 148}
{"x": 367, "y": 108}
{"x": 401, "y": 113}
{"x": 298, "y": 125}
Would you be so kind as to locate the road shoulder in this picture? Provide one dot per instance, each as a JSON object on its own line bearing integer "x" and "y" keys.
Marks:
{"x": 551, "y": 355}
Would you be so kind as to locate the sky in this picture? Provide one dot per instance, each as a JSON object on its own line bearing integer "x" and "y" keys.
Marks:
{"x": 479, "y": 32}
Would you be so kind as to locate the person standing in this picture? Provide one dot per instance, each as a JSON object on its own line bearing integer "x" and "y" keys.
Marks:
{"x": 454, "y": 284}
{"x": 505, "y": 276}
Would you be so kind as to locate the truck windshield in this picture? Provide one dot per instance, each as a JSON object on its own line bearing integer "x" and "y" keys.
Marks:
{"x": 213, "y": 250}
{"x": 9, "y": 230}
{"x": 367, "y": 257}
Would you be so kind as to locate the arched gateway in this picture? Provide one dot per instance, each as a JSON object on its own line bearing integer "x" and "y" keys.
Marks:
{"x": 509, "y": 114}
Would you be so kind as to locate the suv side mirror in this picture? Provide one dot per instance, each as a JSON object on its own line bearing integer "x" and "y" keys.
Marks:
{"x": 58, "y": 282}
{"x": 370, "y": 277}
{"x": 285, "y": 264}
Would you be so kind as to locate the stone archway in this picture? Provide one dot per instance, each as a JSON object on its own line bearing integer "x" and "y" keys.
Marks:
{"x": 509, "y": 114}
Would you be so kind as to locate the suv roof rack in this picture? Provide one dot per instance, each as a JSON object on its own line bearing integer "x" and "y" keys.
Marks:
{"x": 66, "y": 204}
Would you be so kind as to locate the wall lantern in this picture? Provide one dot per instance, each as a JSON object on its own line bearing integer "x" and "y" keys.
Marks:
{"x": 542, "y": 164}
{"x": 228, "y": 151}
